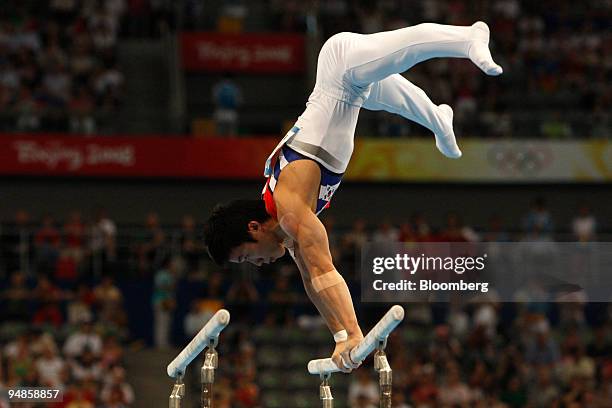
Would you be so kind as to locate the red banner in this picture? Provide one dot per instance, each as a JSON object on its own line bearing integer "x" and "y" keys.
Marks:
{"x": 378, "y": 160}
{"x": 259, "y": 53}
{"x": 39, "y": 155}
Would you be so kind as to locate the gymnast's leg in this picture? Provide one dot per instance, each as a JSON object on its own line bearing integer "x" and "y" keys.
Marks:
{"x": 395, "y": 94}
{"x": 373, "y": 57}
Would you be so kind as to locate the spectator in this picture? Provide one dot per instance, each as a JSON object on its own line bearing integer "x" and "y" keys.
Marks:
{"x": 515, "y": 394}
{"x": 51, "y": 368}
{"x": 84, "y": 338}
{"x": 454, "y": 392}
{"x": 151, "y": 247}
{"x": 358, "y": 235}
{"x": 601, "y": 346}
{"x": 164, "y": 302}
{"x": 47, "y": 241}
{"x": 213, "y": 299}
{"x": 362, "y": 401}
{"x": 4, "y": 399}
{"x": 86, "y": 367}
{"x": 196, "y": 318}
{"x": 74, "y": 236}
{"x": 543, "y": 391}
{"x": 385, "y": 233}
{"x": 227, "y": 97}
{"x": 542, "y": 350}
{"x": 458, "y": 321}
{"x": 480, "y": 379}
{"x": 485, "y": 316}
{"x": 48, "y": 314}
{"x": 83, "y": 62}
{"x": 425, "y": 391}
{"x": 190, "y": 241}
{"x": 575, "y": 363}
{"x": 21, "y": 367}
{"x": 495, "y": 231}
{"x": 47, "y": 291}
{"x": 247, "y": 391}
{"x": 584, "y": 225}
{"x": 28, "y": 110}
{"x": 422, "y": 228}
{"x": 103, "y": 27}
{"x": 81, "y": 112}
{"x": 78, "y": 397}
{"x": 455, "y": 231}
{"x": 406, "y": 233}
{"x": 79, "y": 308}
{"x": 116, "y": 390}
{"x": 16, "y": 299}
{"x": 66, "y": 269}
{"x": 362, "y": 392}
{"x": 115, "y": 399}
{"x": 20, "y": 345}
{"x": 56, "y": 85}
{"x": 103, "y": 237}
{"x": 108, "y": 86}
{"x": 538, "y": 219}
{"x": 112, "y": 353}
{"x": 109, "y": 302}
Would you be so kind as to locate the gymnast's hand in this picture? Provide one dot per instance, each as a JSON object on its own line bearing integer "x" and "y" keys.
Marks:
{"x": 341, "y": 356}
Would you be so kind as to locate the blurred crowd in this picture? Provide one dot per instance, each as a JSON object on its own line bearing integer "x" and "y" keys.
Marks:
{"x": 62, "y": 327}
{"x": 64, "y": 288}
{"x": 58, "y": 64}
{"x": 64, "y": 338}
{"x": 555, "y": 54}
{"x": 475, "y": 357}
{"x": 59, "y": 69}
{"x": 92, "y": 247}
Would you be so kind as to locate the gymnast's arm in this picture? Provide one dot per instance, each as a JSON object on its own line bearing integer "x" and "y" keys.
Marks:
{"x": 330, "y": 319}
{"x": 295, "y": 197}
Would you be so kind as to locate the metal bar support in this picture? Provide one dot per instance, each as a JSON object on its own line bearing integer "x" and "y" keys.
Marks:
{"x": 211, "y": 363}
{"x": 178, "y": 393}
{"x": 327, "y": 399}
{"x": 385, "y": 374}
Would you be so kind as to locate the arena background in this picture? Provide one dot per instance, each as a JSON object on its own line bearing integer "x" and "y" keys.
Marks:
{"x": 124, "y": 121}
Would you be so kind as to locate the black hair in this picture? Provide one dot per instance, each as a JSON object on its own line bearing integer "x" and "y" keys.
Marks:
{"x": 226, "y": 228}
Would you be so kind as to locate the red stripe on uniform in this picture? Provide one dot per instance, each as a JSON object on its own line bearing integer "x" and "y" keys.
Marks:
{"x": 269, "y": 201}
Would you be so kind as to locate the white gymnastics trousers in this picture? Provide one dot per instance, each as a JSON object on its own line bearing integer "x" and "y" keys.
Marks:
{"x": 357, "y": 70}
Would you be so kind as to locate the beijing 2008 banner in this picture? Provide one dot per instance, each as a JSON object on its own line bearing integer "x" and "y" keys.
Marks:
{"x": 137, "y": 157}
{"x": 254, "y": 53}
{"x": 374, "y": 160}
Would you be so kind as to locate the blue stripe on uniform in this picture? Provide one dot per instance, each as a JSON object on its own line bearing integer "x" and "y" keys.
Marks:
{"x": 328, "y": 178}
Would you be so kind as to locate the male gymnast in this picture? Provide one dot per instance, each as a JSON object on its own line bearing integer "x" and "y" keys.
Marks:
{"x": 353, "y": 71}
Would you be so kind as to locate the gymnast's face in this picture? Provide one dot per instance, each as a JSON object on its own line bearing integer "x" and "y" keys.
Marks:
{"x": 267, "y": 247}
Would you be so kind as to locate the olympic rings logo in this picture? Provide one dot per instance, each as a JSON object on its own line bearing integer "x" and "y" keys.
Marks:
{"x": 520, "y": 158}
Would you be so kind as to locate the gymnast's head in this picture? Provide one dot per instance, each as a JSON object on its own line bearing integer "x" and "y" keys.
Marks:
{"x": 242, "y": 231}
